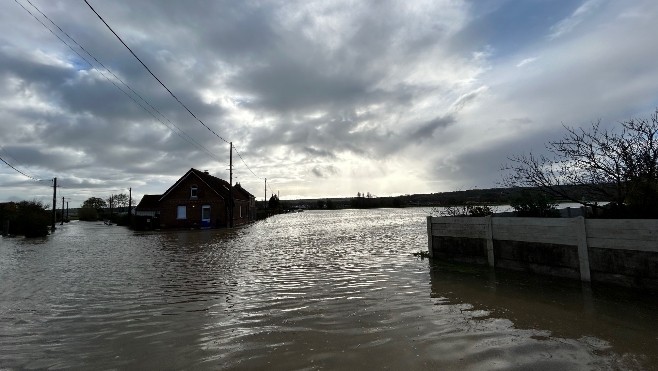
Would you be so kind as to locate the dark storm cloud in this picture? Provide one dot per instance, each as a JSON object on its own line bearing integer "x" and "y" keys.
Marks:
{"x": 31, "y": 155}
{"x": 426, "y": 131}
{"x": 324, "y": 171}
{"x": 325, "y": 136}
{"x": 481, "y": 166}
{"x": 319, "y": 153}
{"x": 17, "y": 64}
{"x": 305, "y": 73}
{"x": 289, "y": 86}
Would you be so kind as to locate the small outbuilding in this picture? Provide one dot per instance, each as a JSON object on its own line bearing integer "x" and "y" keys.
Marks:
{"x": 198, "y": 200}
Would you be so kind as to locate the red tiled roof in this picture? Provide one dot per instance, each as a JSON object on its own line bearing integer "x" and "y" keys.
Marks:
{"x": 219, "y": 186}
{"x": 148, "y": 202}
{"x": 238, "y": 188}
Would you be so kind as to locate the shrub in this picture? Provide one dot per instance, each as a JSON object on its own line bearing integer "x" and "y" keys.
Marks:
{"x": 88, "y": 214}
{"x": 479, "y": 211}
{"x": 31, "y": 219}
{"x": 539, "y": 205}
{"x": 464, "y": 210}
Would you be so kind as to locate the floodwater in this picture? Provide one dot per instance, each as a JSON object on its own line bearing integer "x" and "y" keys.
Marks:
{"x": 312, "y": 290}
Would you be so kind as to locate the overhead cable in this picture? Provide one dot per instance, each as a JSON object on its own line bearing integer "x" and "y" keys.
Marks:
{"x": 180, "y": 132}
{"x": 245, "y": 164}
{"x": 17, "y": 163}
{"x": 152, "y": 74}
{"x": 161, "y": 83}
{"x": 18, "y": 171}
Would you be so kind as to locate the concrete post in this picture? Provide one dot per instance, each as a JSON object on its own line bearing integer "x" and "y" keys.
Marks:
{"x": 583, "y": 255}
{"x": 430, "y": 248}
{"x": 490, "y": 247}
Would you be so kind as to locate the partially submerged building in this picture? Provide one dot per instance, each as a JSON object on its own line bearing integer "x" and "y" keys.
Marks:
{"x": 197, "y": 200}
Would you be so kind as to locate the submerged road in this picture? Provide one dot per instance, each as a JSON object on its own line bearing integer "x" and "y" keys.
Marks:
{"x": 311, "y": 290}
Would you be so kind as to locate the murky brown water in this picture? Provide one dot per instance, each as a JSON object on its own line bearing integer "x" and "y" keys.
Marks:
{"x": 314, "y": 290}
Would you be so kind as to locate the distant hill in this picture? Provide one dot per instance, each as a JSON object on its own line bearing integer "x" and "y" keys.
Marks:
{"x": 490, "y": 196}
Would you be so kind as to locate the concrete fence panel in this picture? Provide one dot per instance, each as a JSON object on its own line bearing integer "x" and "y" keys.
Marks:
{"x": 616, "y": 251}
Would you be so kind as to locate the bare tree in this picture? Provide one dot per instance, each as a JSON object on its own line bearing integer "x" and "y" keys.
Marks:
{"x": 111, "y": 203}
{"x": 121, "y": 200}
{"x": 620, "y": 165}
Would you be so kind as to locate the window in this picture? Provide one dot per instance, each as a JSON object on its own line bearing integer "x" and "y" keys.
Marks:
{"x": 181, "y": 212}
{"x": 205, "y": 212}
{"x": 193, "y": 191}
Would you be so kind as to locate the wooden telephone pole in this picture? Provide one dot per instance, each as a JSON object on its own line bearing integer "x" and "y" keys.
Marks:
{"x": 230, "y": 165}
{"x": 230, "y": 188}
{"x": 54, "y": 219}
{"x": 265, "y": 194}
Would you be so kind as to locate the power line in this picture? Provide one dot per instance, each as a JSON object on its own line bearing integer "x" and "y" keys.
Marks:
{"x": 163, "y": 85}
{"x": 180, "y": 132}
{"x": 245, "y": 164}
{"x": 152, "y": 74}
{"x": 251, "y": 171}
{"x": 18, "y": 171}
{"x": 15, "y": 161}
{"x": 194, "y": 142}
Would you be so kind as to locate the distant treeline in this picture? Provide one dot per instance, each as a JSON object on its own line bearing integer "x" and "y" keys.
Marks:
{"x": 490, "y": 196}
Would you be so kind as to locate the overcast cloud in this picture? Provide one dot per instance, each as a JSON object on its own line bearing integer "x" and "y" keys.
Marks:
{"x": 322, "y": 98}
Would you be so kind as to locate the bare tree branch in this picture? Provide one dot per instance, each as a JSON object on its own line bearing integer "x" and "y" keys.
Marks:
{"x": 620, "y": 166}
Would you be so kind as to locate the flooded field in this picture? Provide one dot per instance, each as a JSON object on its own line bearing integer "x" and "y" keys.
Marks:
{"x": 312, "y": 290}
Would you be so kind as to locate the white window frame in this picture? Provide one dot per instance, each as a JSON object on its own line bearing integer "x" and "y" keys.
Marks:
{"x": 194, "y": 192}
{"x": 181, "y": 212}
{"x": 203, "y": 209}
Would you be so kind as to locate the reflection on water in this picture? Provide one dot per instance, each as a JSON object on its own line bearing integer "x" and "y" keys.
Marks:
{"x": 313, "y": 290}
{"x": 618, "y": 325}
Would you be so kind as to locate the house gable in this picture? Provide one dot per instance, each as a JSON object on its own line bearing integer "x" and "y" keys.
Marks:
{"x": 192, "y": 173}
{"x": 243, "y": 192}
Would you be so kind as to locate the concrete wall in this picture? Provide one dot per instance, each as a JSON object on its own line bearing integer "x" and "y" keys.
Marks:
{"x": 623, "y": 252}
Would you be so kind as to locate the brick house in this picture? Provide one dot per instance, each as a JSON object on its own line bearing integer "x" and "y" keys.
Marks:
{"x": 245, "y": 205}
{"x": 198, "y": 200}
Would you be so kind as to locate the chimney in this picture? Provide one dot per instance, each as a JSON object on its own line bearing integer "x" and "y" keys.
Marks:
{"x": 206, "y": 172}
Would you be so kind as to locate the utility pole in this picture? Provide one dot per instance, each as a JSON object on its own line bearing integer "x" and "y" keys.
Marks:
{"x": 265, "y": 194}
{"x": 62, "y": 223}
{"x": 230, "y": 166}
{"x": 52, "y": 227}
{"x": 230, "y": 182}
{"x": 130, "y": 201}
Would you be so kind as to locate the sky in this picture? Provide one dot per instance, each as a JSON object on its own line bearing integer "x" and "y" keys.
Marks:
{"x": 322, "y": 98}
